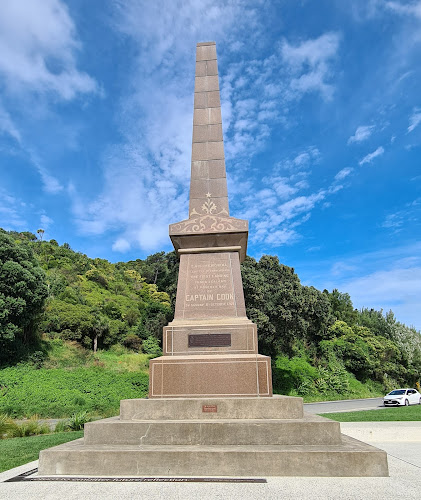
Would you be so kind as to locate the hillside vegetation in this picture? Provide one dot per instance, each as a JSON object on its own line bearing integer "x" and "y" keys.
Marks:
{"x": 65, "y": 317}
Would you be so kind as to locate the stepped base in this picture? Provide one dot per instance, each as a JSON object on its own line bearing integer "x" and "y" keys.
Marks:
{"x": 214, "y": 437}
{"x": 351, "y": 458}
{"x": 312, "y": 430}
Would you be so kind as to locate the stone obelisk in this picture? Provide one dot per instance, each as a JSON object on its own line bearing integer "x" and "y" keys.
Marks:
{"x": 210, "y": 348}
{"x": 205, "y": 415}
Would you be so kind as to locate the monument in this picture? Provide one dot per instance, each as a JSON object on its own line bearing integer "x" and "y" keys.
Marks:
{"x": 210, "y": 349}
{"x": 210, "y": 410}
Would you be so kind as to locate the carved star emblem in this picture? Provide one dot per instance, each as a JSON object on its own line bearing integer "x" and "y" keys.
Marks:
{"x": 208, "y": 195}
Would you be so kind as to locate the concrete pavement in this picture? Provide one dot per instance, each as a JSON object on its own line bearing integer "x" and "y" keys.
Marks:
{"x": 404, "y": 466}
{"x": 344, "y": 405}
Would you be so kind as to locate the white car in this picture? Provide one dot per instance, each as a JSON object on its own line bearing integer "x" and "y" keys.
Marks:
{"x": 402, "y": 397}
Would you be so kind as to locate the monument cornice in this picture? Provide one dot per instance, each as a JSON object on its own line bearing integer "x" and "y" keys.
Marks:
{"x": 202, "y": 233}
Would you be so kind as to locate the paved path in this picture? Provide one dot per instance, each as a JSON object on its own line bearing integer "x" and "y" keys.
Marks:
{"x": 346, "y": 405}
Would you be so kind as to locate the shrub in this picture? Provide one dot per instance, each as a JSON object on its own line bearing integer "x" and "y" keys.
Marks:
{"x": 61, "y": 426}
{"x": 78, "y": 420}
{"x": 29, "y": 428}
{"x": 132, "y": 341}
{"x": 6, "y": 425}
{"x": 151, "y": 346}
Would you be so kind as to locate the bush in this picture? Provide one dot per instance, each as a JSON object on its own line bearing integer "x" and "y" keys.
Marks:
{"x": 6, "y": 425}
{"x": 61, "y": 426}
{"x": 31, "y": 427}
{"x": 294, "y": 374}
{"x": 132, "y": 341}
{"x": 78, "y": 420}
{"x": 151, "y": 346}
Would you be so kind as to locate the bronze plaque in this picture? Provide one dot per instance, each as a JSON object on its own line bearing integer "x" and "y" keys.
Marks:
{"x": 210, "y": 340}
{"x": 209, "y": 409}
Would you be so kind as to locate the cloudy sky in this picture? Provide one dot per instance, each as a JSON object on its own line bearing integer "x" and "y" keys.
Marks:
{"x": 321, "y": 110}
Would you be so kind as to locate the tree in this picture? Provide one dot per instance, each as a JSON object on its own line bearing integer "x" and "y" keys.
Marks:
{"x": 342, "y": 307}
{"x": 286, "y": 313}
{"x": 40, "y": 232}
{"x": 22, "y": 295}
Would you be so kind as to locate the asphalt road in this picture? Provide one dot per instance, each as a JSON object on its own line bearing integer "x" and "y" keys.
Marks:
{"x": 347, "y": 405}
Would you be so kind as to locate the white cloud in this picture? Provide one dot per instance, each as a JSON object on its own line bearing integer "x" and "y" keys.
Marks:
{"x": 409, "y": 214}
{"x": 362, "y": 133}
{"x": 414, "y": 120}
{"x": 37, "y": 49}
{"x": 312, "y": 54}
{"x": 50, "y": 183}
{"x": 385, "y": 279}
{"x": 11, "y": 212}
{"x": 7, "y": 126}
{"x": 121, "y": 245}
{"x": 398, "y": 289}
{"x": 411, "y": 9}
{"x": 46, "y": 221}
{"x": 370, "y": 157}
{"x": 343, "y": 173}
{"x": 282, "y": 237}
{"x": 303, "y": 160}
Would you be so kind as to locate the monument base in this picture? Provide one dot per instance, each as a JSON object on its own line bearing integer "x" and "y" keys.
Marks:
{"x": 223, "y": 375}
{"x": 214, "y": 437}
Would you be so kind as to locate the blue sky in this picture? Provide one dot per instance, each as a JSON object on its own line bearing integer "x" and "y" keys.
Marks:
{"x": 321, "y": 110}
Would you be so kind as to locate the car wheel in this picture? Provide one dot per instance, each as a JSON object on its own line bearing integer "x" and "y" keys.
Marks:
{"x": 406, "y": 402}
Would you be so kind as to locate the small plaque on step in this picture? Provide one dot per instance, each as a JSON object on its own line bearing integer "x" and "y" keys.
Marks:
{"x": 209, "y": 409}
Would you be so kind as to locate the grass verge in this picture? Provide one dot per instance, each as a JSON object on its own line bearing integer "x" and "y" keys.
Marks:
{"x": 399, "y": 414}
{"x": 19, "y": 451}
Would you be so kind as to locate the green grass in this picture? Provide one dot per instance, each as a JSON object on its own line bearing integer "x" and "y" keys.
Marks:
{"x": 66, "y": 354}
{"x": 60, "y": 392}
{"x": 73, "y": 379}
{"x": 403, "y": 413}
{"x": 19, "y": 451}
{"x": 357, "y": 390}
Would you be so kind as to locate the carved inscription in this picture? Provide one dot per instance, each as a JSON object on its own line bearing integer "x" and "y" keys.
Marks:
{"x": 209, "y": 289}
{"x": 210, "y": 340}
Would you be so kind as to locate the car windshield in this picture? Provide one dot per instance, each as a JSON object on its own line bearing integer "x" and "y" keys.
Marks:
{"x": 397, "y": 392}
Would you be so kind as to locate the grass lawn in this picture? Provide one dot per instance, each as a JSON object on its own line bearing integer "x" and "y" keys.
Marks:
{"x": 19, "y": 451}
{"x": 400, "y": 413}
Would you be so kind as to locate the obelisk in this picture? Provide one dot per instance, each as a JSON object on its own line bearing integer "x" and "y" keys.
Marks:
{"x": 210, "y": 348}
{"x": 205, "y": 415}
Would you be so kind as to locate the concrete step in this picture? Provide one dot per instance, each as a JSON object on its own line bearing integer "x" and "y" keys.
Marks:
{"x": 350, "y": 458}
{"x": 279, "y": 407}
{"x": 311, "y": 430}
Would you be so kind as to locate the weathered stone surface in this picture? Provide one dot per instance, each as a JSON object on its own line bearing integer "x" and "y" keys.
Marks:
{"x": 243, "y": 337}
{"x": 312, "y": 430}
{"x": 209, "y": 286}
{"x": 207, "y": 133}
{"x": 206, "y": 52}
{"x": 206, "y": 83}
{"x": 217, "y": 375}
{"x": 279, "y": 407}
{"x": 351, "y": 458}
